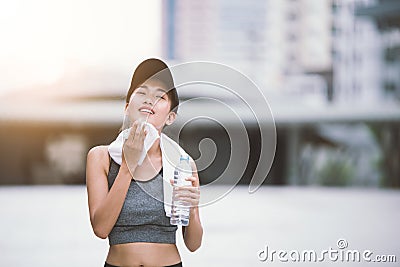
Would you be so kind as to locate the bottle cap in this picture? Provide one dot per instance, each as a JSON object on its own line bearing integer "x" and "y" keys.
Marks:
{"x": 184, "y": 157}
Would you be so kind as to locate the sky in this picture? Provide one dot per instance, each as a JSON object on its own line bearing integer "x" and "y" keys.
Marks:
{"x": 41, "y": 40}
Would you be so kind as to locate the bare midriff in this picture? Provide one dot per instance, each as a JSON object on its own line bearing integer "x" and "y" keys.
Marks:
{"x": 143, "y": 254}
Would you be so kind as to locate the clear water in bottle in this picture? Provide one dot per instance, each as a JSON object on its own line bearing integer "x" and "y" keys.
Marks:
{"x": 180, "y": 210}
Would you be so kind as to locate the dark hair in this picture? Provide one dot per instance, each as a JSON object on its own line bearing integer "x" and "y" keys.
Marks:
{"x": 155, "y": 69}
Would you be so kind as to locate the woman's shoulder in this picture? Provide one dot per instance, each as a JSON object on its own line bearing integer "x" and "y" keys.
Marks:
{"x": 99, "y": 154}
{"x": 101, "y": 150}
{"x": 98, "y": 159}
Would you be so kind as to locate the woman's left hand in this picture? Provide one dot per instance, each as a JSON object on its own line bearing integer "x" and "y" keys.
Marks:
{"x": 189, "y": 194}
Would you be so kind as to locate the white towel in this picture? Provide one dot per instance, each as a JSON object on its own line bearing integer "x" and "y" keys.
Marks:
{"x": 170, "y": 152}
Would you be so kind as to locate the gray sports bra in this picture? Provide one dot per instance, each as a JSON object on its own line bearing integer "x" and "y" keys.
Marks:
{"x": 142, "y": 217}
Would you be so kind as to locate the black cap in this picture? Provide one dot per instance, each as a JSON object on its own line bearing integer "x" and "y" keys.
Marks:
{"x": 151, "y": 68}
{"x": 157, "y": 69}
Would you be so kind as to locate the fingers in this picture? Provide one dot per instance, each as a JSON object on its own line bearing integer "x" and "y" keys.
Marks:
{"x": 133, "y": 130}
{"x": 192, "y": 179}
{"x": 138, "y": 132}
{"x": 188, "y": 192}
{"x": 138, "y": 129}
{"x": 142, "y": 134}
{"x": 189, "y": 196}
{"x": 191, "y": 189}
{"x": 133, "y": 147}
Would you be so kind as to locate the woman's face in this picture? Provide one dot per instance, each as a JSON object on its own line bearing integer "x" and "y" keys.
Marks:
{"x": 150, "y": 102}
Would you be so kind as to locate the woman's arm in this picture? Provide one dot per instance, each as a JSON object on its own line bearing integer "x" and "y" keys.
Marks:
{"x": 104, "y": 205}
{"x": 193, "y": 233}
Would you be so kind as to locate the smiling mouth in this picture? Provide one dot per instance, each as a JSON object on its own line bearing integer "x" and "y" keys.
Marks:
{"x": 149, "y": 111}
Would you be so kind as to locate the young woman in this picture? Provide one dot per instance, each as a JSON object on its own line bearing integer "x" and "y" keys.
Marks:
{"x": 139, "y": 231}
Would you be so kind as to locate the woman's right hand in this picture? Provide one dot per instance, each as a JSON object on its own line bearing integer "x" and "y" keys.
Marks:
{"x": 133, "y": 146}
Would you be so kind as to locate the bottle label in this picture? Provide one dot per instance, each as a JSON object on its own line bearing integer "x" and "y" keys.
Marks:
{"x": 180, "y": 178}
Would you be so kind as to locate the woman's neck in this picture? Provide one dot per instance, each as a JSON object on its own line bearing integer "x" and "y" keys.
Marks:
{"x": 155, "y": 149}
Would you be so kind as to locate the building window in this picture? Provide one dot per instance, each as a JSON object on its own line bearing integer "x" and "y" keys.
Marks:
{"x": 390, "y": 87}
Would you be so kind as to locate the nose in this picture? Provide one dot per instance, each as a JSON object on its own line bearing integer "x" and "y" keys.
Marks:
{"x": 148, "y": 100}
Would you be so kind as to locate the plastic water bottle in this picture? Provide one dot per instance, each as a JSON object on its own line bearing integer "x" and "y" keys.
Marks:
{"x": 180, "y": 210}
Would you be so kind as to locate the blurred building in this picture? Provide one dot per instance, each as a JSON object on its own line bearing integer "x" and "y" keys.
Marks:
{"x": 278, "y": 43}
{"x": 356, "y": 55}
{"x": 366, "y": 41}
{"x": 309, "y": 51}
{"x": 385, "y": 16}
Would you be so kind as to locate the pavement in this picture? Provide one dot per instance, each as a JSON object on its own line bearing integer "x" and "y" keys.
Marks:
{"x": 49, "y": 226}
